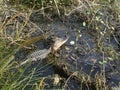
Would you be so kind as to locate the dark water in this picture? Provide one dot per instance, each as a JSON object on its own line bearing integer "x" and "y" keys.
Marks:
{"x": 83, "y": 55}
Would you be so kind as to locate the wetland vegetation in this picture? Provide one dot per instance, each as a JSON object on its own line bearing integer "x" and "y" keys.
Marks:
{"x": 68, "y": 44}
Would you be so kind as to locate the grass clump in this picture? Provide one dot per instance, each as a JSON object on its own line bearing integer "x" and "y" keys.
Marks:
{"x": 12, "y": 34}
{"x": 102, "y": 17}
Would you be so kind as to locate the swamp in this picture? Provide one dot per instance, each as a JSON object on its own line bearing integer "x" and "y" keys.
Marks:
{"x": 59, "y": 45}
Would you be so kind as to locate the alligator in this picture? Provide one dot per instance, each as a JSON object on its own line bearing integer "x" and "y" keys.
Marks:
{"x": 42, "y": 54}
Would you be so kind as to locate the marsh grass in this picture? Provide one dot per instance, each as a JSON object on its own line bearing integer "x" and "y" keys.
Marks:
{"x": 12, "y": 35}
{"x": 101, "y": 16}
